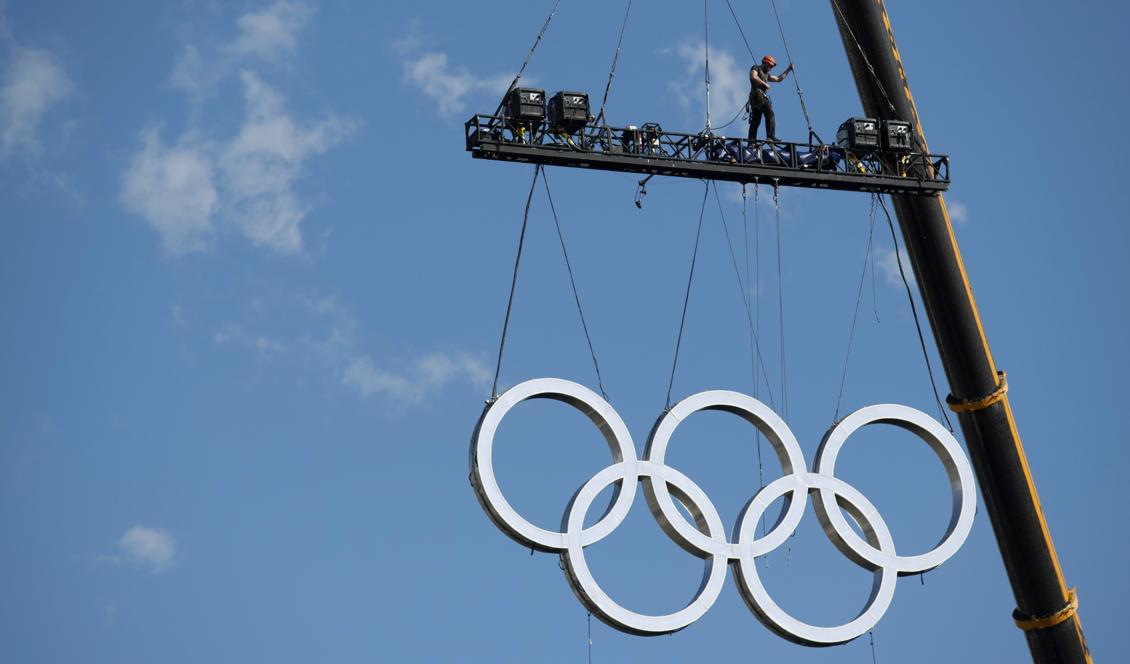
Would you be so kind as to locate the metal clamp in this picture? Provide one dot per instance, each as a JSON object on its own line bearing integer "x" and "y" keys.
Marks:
{"x": 1029, "y": 623}
{"x": 981, "y": 403}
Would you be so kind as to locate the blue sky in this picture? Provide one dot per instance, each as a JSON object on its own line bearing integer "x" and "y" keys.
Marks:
{"x": 253, "y": 287}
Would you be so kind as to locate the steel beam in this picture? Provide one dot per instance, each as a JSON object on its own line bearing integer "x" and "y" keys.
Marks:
{"x": 1045, "y": 606}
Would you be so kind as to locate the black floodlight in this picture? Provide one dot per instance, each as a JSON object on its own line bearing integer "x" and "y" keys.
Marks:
{"x": 897, "y": 136}
{"x": 569, "y": 111}
{"x": 858, "y": 133}
{"x": 526, "y": 105}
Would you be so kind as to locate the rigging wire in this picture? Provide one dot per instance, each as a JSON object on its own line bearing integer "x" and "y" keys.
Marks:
{"x": 590, "y": 637}
{"x": 855, "y": 313}
{"x": 754, "y": 331}
{"x": 529, "y": 56}
{"x": 706, "y": 46}
{"x": 781, "y": 302}
{"x": 612, "y": 70}
{"x": 866, "y": 61}
{"x": 796, "y": 79}
{"x": 743, "y": 291}
{"x": 740, "y": 31}
{"x": 914, "y": 312}
{"x": 687, "y": 297}
{"x": 757, "y": 312}
{"x": 513, "y": 284}
{"x": 573, "y": 283}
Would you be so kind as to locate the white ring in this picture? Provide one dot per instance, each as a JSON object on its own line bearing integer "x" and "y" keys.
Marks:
{"x": 482, "y": 468}
{"x": 949, "y": 453}
{"x": 594, "y": 597}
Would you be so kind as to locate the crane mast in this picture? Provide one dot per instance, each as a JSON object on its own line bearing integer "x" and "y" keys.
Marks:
{"x": 1045, "y": 606}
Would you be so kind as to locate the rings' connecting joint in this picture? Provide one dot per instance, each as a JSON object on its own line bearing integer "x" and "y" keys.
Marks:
{"x": 981, "y": 403}
{"x": 1030, "y": 623}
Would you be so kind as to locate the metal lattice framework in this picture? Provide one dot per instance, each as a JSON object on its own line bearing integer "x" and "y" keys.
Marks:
{"x": 650, "y": 150}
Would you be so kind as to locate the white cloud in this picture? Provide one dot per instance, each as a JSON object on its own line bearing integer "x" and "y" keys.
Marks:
{"x": 262, "y": 163}
{"x": 958, "y": 212}
{"x": 421, "y": 380}
{"x": 272, "y": 33}
{"x": 448, "y": 85}
{"x": 33, "y": 82}
{"x": 889, "y": 263}
{"x": 172, "y": 188}
{"x": 154, "y": 548}
{"x": 729, "y": 82}
{"x": 246, "y": 182}
{"x": 268, "y": 36}
{"x": 325, "y": 336}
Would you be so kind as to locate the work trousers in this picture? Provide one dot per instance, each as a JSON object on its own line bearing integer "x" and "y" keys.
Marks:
{"x": 761, "y": 105}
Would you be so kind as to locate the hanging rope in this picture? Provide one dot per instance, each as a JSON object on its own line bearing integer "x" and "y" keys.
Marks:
{"x": 751, "y": 288}
{"x": 743, "y": 291}
{"x": 855, "y": 313}
{"x": 914, "y": 312}
{"x": 687, "y": 297}
{"x": 529, "y": 56}
{"x": 573, "y": 283}
{"x": 590, "y": 637}
{"x": 740, "y": 31}
{"x": 796, "y": 79}
{"x": 862, "y": 54}
{"x": 612, "y": 70}
{"x": 513, "y": 284}
{"x": 781, "y": 302}
{"x": 706, "y": 45}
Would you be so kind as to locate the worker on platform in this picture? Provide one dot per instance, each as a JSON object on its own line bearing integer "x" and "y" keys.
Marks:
{"x": 759, "y": 102}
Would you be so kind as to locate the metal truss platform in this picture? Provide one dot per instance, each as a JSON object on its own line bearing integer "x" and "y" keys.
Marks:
{"x": 652, "y": 151}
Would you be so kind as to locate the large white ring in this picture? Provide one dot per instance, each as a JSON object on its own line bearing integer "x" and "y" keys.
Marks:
{"x": 490, "y": 494}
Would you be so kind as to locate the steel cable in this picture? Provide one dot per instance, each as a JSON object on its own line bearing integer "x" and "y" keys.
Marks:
{"x": 573, "y": 283}
{"x": 513, "y": 284}
{"x": 687, "y": 296}
{"x": 612, "y": 70}
{"x": 914, "y": 313}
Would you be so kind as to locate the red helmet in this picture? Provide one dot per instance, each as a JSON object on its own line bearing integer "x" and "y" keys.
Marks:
{"x": 768, "y": 60}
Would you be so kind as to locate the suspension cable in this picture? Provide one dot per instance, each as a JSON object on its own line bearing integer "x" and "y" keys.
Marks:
{"x": 781, "y": 303}
{"x": 687, "y": 297}
{"x": 914, "y": 312}
{"x": 706, "y": 46}
{"x": 573, "y": 283}
{"x": 529, "y": 56}
{"x": 750, "y": 290}
{"x": 796, "y": 79}
{"x": 740, "y": 31}
{"x": 866, "y": 61}
{"x": 743, "y": 291}
{"x": 855, "y": 313}
{"x": 513, "y": 284}
{"x": 612, "y": 70}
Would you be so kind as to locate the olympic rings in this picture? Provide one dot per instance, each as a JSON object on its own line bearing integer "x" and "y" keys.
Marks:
{"x": 706, "y": 537}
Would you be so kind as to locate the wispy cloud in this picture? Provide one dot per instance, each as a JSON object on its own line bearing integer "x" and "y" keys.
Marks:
{"x": 34, "y": 81}
{"x": 172, "y": 188}
{"x": 143, "y": 546}
{"x": 959, "y": 212}
{"x": 261, "y": 164}
{"x": 729, "y": 82}
{"x": 888, "y": 262}
{"x": 200, "y": 184}
{"x": 448, "y": 85}
{"x": 421, "y": 379}
{"x": 268, "y": 36}
{"x": 272, "y": 33}
{"x": 329, "y": 341}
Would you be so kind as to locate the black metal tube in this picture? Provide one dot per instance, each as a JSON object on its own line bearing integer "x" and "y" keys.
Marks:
{"x": 990, "y": 431}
